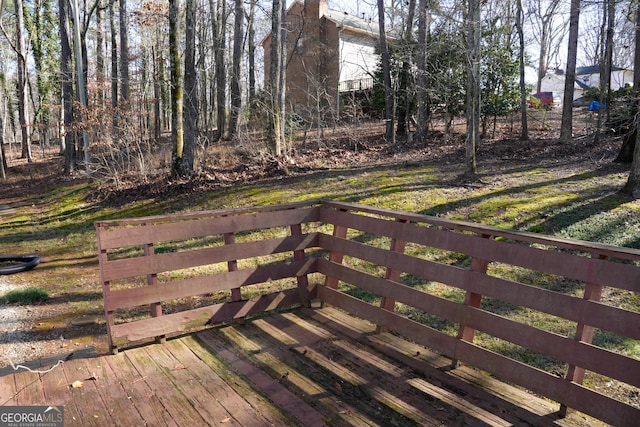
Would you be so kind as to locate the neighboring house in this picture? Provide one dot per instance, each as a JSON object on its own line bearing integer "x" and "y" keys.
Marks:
{"x": 328, "y": 53}
{"x": 586, "y": 78}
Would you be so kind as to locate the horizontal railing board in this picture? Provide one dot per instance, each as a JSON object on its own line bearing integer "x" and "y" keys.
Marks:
{"x": 218, "y": 213}
{"x": 184, "y": 321}
{"x": 612, "y": 319}
{"x": 159, "y": 263}
{"x": 556, "y": 346}
{"x": 173, "y": 289}
{"x": 524, "y": 236}
{"x": 585, "y": 269}
{"x": 411, "y": 329}
{"x": 549, "y": 385}
{"x": 111, "y": 238}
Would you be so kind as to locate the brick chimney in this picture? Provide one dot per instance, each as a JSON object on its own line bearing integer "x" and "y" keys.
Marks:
{"x": 316, "y": 8}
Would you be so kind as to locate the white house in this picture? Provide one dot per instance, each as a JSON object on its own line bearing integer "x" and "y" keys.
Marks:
{"x": 586, "y": 78}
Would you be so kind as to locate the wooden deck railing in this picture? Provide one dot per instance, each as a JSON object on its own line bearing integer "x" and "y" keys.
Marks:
{"x": 381, "y": 265}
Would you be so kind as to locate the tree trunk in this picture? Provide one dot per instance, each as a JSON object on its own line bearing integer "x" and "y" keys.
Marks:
{"x": 236, "y": 95}
{"x": 23, "y": 83}
{"x": 386, "y": 76}
{"x": 124, "y": 52}
{"x": 220, "y": 44}
{"x": 421, "y": 78}
{"x": 473, "y": 85}
{"x": 177, "y": 131}
{"x": 158, "y": 77}
{"x": 114, "y": 68}
{"x": 632, "y": 186}
{"x": 566, "y": 128}
{"x": 100, "y": 65}
{"x": 405, "y": 91}
{"x": 67, "y": 88}
{"x": 252, "y": 51}
{"x": 191, "y": 89}
{"x": 524, "y": 135}
{"x": 275, "y": 134}
{"x": 80, "y": 82}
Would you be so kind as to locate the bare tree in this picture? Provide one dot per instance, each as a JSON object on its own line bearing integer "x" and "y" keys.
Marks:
{"x": 20, "y": 48}
{"x": 389, "y": 106}
{"x": 191, "y": 91}
{"x": 236, "y": 95}
{"x": 566, "y": 129}
{"x": 406, "y": 89}
{"x": 473, "y": 84}
{"x": 547, "y": 31}
{"x": 421, "y": 65}
{"x": 524, "y": 134}
{"x": 124, "y": 51}
{"x": 632, "y": 187}
{"x": 608, "y": 18}
{"x": 67, "y": 88}
{"x": 219, "y": 47}
{"x": 251, "y": 17}
{"x": 177, "y": 131}
{"x": 277, "y": 76}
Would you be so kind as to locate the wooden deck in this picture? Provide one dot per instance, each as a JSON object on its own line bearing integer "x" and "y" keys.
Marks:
{"x": 308, "y": 367}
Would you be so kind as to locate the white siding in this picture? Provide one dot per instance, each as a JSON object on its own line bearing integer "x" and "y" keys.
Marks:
{"x": 358, "y": 58}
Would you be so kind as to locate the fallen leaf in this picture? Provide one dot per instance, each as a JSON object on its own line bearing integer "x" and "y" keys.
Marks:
{"x": 225, "y": 420}
{"x": 76, "y": 384}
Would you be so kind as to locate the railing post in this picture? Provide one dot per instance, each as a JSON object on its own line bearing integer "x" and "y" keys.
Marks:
{"x": 337, "y": 257}
{"x": 152, "y": 279}
{"x": 229, "y": 239}
{"x": 472, "y": 299}
{"x": 584, "y": 333}
{"x": 303, "y": 281}
{"x": 387, "y": 303}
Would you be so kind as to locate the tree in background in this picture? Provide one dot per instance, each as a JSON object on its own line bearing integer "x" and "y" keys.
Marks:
{"x": 177, "y": 131}
{"x": 191, "y": 89}
{"x": 447, "y": 68}
{"x": 524, "y": 132}
{"x": 41, "y": 24}
{"x": 566, "y": 129}
{"x": 499, "y": 66}
{"x": 219, "y": 23}
{"x": 547, "y": 30}
{"x": 632, "y": 187}
{"x": 473, "y": 84}
{"x": 236, "y": 95}
{"x": 276, "y": 128}
{"x": 389, "y": 105}
{"x": 406, "y": 87}
{"x": 422, "y": 95}
{"x": 66, "y": 75}
{"x": 19, "y": 46}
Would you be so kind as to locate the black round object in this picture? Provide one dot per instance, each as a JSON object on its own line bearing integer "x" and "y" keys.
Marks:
{"x": 26, "y": 262}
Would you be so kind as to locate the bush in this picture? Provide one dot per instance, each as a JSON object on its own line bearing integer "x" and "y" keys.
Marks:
{"x": 25, "y": 296}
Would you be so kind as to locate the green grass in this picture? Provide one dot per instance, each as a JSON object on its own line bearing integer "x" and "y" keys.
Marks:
{"x": 57, "y": 224}
{"x": 26, "y": 296}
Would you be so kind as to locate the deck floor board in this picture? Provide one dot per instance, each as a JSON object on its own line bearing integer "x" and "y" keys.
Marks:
{"x": 308, "y": 367}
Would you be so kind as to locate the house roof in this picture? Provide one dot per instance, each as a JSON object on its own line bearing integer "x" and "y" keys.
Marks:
{"x": 369, "y": 26}
{"x": 593, "y": 69}
{"x": 343, "y": 19}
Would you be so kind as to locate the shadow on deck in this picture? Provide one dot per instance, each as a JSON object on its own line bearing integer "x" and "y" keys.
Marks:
{"x": 305, "y": 367}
